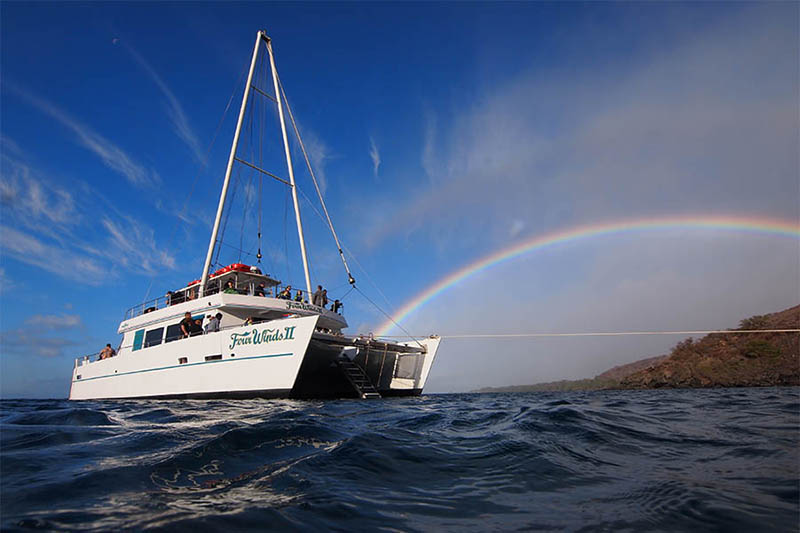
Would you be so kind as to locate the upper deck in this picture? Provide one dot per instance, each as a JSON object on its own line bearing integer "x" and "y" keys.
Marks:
{"x": 244, "y": 282}
{"x": 239, "y": 292}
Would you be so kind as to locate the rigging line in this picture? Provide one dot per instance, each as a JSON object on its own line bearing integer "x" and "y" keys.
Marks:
{"x": 248, "y": 186}
{"x": 228, "y": 211}
{"x": 260, "y": 208}
{"x": 285, "y": 234}
{"x": 314, "y": 179}
{"x": 597, "y": 334}
{"x": 347, "y": 293}
{"x": 182, "y": 212}
{"x": 369, "y": 278}
{"x": 358, "y": 264}
{"x": 389, "y": 317}
{"x": 236, "y": 248}
{"x": 262, "y": 125}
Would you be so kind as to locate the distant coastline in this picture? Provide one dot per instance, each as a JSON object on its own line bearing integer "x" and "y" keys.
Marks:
{"x": 716, "y": 360}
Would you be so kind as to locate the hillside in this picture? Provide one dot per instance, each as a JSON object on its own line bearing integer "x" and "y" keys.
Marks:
{"x": 725, "y": 360}
{"x": 607, "y": 380}
{"x": 716, "y": 360}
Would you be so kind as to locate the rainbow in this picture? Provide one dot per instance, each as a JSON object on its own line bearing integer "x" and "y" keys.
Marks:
{"x": 783, "y": 228}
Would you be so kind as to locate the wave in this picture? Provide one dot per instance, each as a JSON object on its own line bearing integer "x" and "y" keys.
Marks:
{"x": 621, "y": 460}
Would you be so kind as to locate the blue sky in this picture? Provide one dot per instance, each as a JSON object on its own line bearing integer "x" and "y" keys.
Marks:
{"x": 441, "y": 132}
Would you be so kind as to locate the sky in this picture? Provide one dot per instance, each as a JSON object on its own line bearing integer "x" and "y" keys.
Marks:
{"x": 441, "y": 134}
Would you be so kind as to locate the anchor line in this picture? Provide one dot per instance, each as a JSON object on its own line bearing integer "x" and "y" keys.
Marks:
{"x": 595, "y": 334}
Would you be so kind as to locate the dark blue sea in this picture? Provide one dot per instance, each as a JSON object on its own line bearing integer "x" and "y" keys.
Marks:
{"x": 667, "y": 460}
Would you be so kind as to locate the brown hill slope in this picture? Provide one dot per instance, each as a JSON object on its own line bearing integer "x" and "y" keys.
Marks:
{"x": 730, "y": 360}
{"x": 622, "y": 371}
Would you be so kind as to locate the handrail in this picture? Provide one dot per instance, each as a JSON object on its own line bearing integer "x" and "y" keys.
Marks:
{"x": 190, "y": 293}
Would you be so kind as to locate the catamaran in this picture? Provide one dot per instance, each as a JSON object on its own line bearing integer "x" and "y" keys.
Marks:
{"x": 263, "y": 344}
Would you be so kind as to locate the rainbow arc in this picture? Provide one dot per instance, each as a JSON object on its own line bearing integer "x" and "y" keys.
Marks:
{"x": 755, "y": 225}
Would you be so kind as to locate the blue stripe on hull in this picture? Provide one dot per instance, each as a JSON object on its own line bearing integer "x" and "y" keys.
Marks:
{"x": 232, "y": 359}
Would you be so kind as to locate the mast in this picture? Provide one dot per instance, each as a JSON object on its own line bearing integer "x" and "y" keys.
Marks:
{"x": 234, "y": 145}
{"x": 289, "y": 165}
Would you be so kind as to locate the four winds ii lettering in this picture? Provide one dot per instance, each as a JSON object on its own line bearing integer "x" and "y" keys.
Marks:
{"x": 263, "y": 336}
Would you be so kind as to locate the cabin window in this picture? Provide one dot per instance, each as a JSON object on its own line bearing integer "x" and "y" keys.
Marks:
{"x": 153, "y": 337}
{"x": 173, "y": 333}
{"x": 138, "y": 339}
{"x": 214, "y": 357}
{"x": 182, "y": 360}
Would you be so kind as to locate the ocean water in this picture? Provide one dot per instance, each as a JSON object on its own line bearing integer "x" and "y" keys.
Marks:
{"x": 699, "y": 460}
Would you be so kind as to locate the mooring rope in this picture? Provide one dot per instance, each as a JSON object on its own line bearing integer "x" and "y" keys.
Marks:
{"x": 596, "y": 334}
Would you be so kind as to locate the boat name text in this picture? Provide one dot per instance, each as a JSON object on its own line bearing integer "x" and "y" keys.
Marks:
{"x": 262, "y": 337}
{"x": 304, "y": 306}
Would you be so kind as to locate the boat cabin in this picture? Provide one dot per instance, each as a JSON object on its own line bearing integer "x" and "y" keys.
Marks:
{"x": 242, "y": 294}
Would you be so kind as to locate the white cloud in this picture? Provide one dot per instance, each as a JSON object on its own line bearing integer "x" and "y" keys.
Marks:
{"x": 375, "y": 156}
{"x": 706, "y": 125}
{"x": 48, "y": 229}
{"x": 177, "y": 115}
{"x": 35, "y": 201}
{"x": 67, "y": 264}
{"x": 9, "y": 145}
{"x": 132, "y": 244}
{"x": 319, "y": 154}
{"x": 112, "y": 156}
{"x": 55, "y": 321}
{"x": 41, "y": 335}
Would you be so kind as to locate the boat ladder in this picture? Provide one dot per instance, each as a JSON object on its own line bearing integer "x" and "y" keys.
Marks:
{"x": 358, "y": 379}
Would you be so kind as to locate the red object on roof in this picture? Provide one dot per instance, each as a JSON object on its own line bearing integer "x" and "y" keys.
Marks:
{"x": 237, "y": 267}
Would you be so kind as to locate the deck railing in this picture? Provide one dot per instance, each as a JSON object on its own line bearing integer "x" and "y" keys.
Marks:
{"x": 189, "y": 293}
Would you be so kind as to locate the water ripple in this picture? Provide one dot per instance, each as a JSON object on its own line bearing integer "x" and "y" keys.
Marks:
{"x": 723, "y": 459}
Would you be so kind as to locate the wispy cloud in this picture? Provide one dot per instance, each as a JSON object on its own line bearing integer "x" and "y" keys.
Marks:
{"x": 180, "y": 122}
{"x": 112, "y": 156}
{"x": 36, "y": 201}
{"x": 9, "y": 145}
{"x": 319, "y": 154}
{"x": 42, "y": 335}
{"x": 55, "y": 321}
{"x": 47, "y": 229}
{"x": 67, "y": 264}
{"x": 132, "y": 244}
{"x": 375, "y": 156}
{"x": 664, "y": 133}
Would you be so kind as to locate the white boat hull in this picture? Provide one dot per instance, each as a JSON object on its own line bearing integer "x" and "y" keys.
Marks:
{"x": 260, "y": 360}
{"x": 280, "y": 358}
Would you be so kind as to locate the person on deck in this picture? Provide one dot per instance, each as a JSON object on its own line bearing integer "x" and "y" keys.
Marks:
{"x": 197, "y": 328}
{"x": 259, "y": 291}
{"x": 168, "y": 297}
{"x": 286, "y": 293}
{"x": 316, "y": 298}
{"x": 186, "y": 325}
{"x": 336, "y": 306}
{"x": 324, "y": 298}
{"x": 107, "y": 352}
{"x": 229, "y": 288}
{"x": 298, "y": 297}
